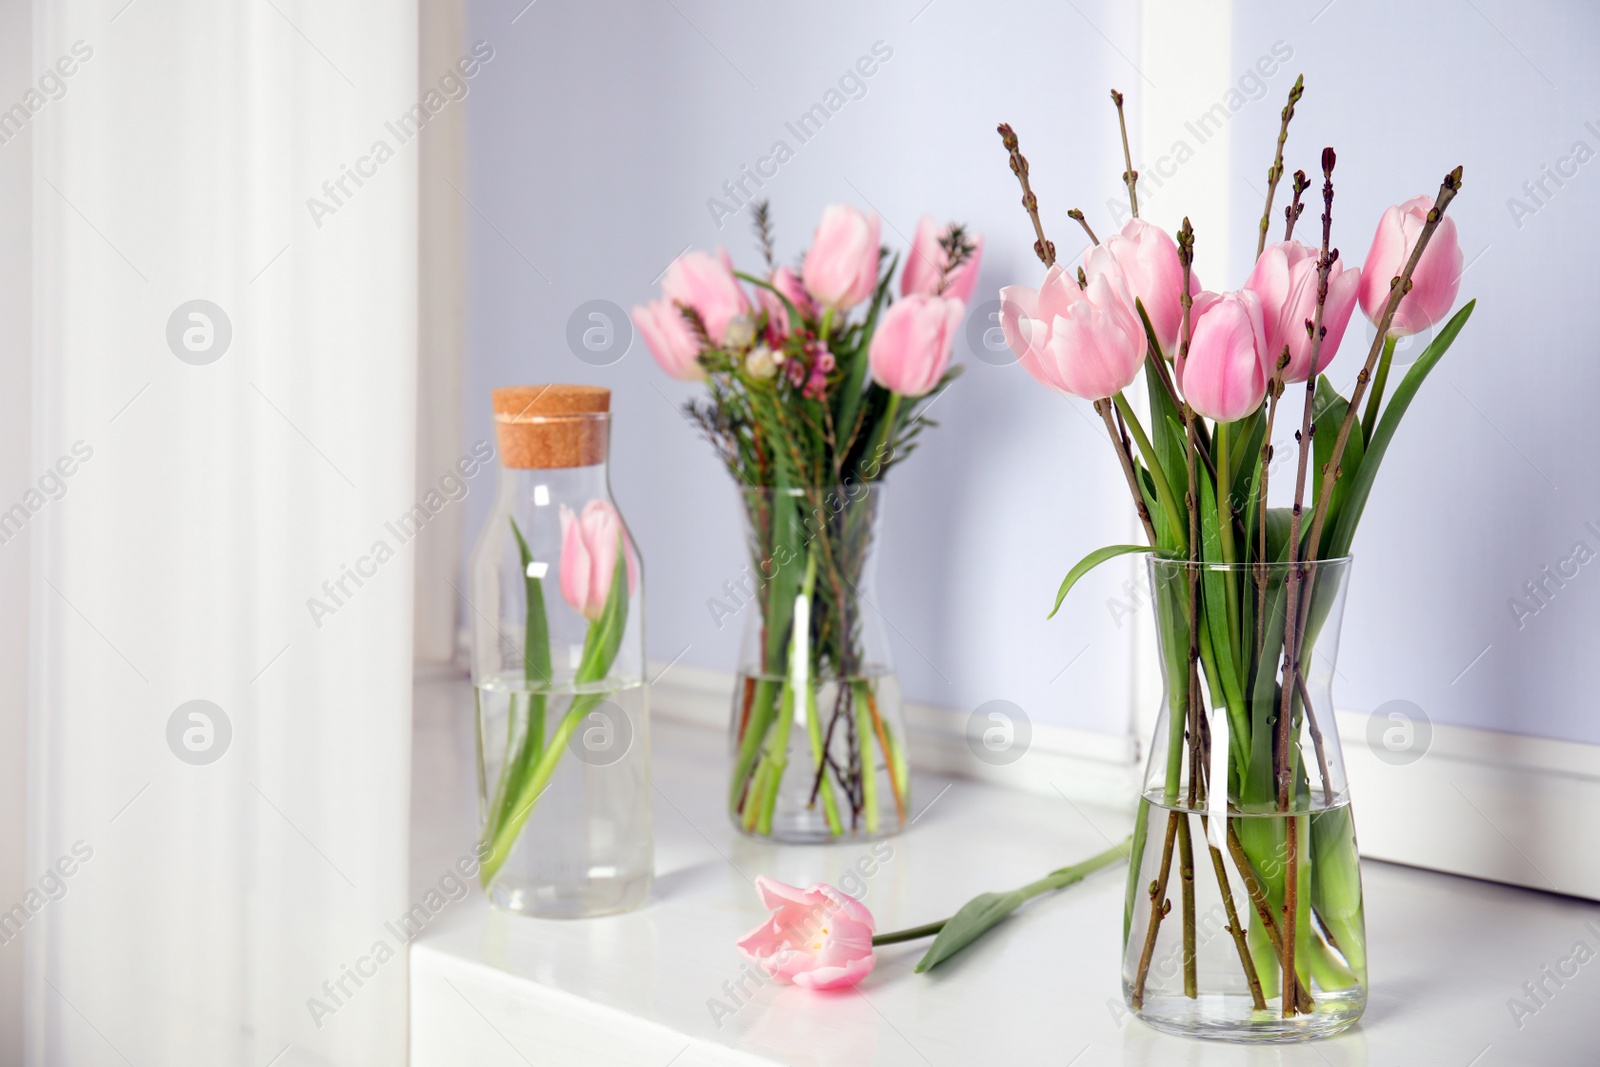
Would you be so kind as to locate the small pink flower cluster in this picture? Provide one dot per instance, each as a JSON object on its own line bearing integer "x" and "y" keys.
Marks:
{"x": 908, "y": 352}
{"x": 1088, "y": 342}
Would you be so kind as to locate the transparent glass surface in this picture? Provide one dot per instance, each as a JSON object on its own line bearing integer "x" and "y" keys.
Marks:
{"x": 817, "y": 730}
{"x": 1245, "y": 843}
{"x": 562, "y": 706}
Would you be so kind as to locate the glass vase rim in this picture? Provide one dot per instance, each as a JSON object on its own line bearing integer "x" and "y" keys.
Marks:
{"x": 1153, "y": 559}
{"x": 800, "y": 491}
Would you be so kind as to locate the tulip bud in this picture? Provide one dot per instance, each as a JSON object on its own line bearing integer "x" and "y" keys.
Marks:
{"x": 1083, "y": 342}
{"x": 1434, "y": 282}
{"x": 1285, "y": 279}
{"x": 706, "y": 284}
{"x": 670, "y": 339}
{"x": 786, "y": 282}
{"x": 911, "y": 347}
{"x": 1146, "y": 259}
{"x": 589, "y": 545}
{"x": 841, "y": 267}
{"x": 1224, "y": 376}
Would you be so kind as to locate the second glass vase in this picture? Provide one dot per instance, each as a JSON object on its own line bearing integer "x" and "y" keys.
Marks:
{"x": 818, "y": 731}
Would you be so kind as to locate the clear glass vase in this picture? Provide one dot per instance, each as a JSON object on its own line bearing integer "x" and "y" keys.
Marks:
{"x": 558, "y": 668}
{"x": 1244, "y": 918}
{"x": 818, "y": 731}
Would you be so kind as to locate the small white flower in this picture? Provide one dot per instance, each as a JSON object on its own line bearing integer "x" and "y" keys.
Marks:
{"x": 740, "y": 332}
{"x": 762, "y": 363}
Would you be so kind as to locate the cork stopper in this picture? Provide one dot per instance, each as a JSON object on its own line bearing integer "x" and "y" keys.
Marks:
{"x": 546, "y": 426}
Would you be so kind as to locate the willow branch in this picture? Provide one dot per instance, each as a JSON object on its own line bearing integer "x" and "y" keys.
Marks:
{"x": 1291, "y": 214}
{"x": 1130, "y": 176}
{"x": 1275, "y": 171}
{"x": 1125, "y": 457}
{"x": 1399, "y": 286}
{"x": 1076, "y": 215}
{"x": 1044, "y": 249}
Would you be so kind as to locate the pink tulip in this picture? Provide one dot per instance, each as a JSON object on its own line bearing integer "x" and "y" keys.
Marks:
{"x": 1225, "y": 375}
{"x": 911, "y": 347}
{"x": 816, "y": 938}
{"x": 788, "y": 283}
{"x": 589, "y": 543}
{"x": 1083, "y": 342}
{"x": 706, "y": 283}
{"x": 1434, "y": 283}
{"x": 670, "y": 339}
{"x": 841, "y": 267}
{"x": 1146, "y": 259}
{"x": 1285, "y": 278}
{"x": 925, "y": 265}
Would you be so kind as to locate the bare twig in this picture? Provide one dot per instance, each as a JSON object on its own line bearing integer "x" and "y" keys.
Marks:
{"x": 1125, "y": 457}
{"x": 1076, "y": 215}
{"x": 1130, "y": 176}
{"x": 1291, "y": 214}
{"x": 1044, "y": 249}
{"x": 1399, "y": 286}
{"x": 1291, "y": 635}
{"x": 1275, "y": 171}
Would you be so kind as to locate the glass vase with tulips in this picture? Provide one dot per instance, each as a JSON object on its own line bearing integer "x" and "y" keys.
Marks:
{"x": 809, "y": 407}
{"x": 1245, "y": 815}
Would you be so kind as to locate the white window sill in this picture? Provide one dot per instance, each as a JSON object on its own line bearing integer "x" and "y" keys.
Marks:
{"x": 489, "y": 988}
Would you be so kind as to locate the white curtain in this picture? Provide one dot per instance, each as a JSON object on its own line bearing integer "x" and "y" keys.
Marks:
{"x": 191, "y": 912}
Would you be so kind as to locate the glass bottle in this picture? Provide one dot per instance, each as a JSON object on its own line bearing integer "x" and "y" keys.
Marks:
{"x": 558, "y": 668}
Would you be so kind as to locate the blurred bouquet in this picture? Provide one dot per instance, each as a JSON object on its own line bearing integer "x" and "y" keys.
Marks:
{"x": 1242, "y": 589}
{"x": 809, "y": 407}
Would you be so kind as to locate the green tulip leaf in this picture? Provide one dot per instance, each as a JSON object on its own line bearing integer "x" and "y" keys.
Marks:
{"x": 1089, "y": 563}
{"x": 1361, "y": 485}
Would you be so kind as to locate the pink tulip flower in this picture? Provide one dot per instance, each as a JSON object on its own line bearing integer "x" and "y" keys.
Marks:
{"x": 841, "y": 267}
{"x": 706, "y": 283}
{"x": 1285, "y": 278}
{"x": 925, "y": 265}
{"x": 1225, "y": 374}
{"x": 788, "y": 283}
{"x": 1146, "y": 259}
{"x": 1083, "y": 342}
{"x": 670, "y": 339}
{"x": 589, "y": 543}
{"x": 1434, "y": 283}
{"x": 911, "y": 347}
{"x": 816, "y": 938}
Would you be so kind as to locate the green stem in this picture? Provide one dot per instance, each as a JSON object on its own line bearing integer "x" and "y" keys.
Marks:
{"x": 1164, "y": 493}
{"x": 797, "y": 680}
{"x": 1369, "y": 421}
{"x": 1057, "y": 879}
{"x": 830, "y": 807}
{"x": 505, "y": 836}
{"x": 1225, "y": 521}
{"x": 869, "y": 766}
